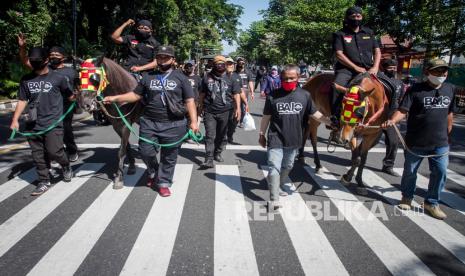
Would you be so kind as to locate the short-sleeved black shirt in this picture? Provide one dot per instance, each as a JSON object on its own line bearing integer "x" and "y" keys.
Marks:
{"x": 139, "y": 52}
{"x": 196, "y": 82}
{"x": 71, "y": 76}
{"x": 428, "y": 109}
{"x": 358, "y": 47}
{"x": 288, "y": 113}
{"x": 48, "y": 92}
{"x": 175, "y": 82}
{"x": 212, "y": 87}
{"x": 246, "y": 76}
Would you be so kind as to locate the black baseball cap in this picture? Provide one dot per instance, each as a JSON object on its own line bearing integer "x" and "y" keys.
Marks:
{"x": 38, "y": 53}
{"x": 166, "y": 50}
{"x": 57, "y": 49}
{"x": 353, "y": 10}
{"x": 435, "y": 63}
{"x": 144, "y": 22}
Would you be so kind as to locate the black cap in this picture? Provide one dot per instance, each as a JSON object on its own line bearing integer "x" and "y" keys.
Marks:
{"x": 389, "y": 62}
{"x": 435, "y": 63}
{"x": 58, "y": 49}
{"x": 144, "y": 22}
{"x": 38, "y": 53}
{"x": 166, "y": 50}
{"x": 353, "y": 10}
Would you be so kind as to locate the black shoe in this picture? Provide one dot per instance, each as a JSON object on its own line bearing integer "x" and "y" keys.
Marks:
{"x": 41, "y": 188}
{"x": 230, "y": 140}
{"x": 218, "y": 158}
{"x": 67, "y": 174}
{"x": 390, "y": 171}
{"x": 73, "y": 157}
{"x": 208, "y": 164}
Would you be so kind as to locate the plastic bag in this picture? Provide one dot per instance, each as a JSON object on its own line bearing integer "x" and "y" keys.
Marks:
{"x": 248, "y": 122}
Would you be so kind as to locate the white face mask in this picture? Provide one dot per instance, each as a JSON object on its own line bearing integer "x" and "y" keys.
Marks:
{"x": 436, "y": 80}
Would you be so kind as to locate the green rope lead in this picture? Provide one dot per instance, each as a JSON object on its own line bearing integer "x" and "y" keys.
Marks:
{"x": 52, "y": 126}
{"x": 196, "y": 137}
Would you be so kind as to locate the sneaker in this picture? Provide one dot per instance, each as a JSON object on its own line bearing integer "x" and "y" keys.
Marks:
{"x": 41, "y": 188}
{"x": 218, "y": 158}
{"x": 273, "y": 206}
{"x": 73, "y": 157}
{"x": 405, "y": 204}
{"x": 434, "y": 211}
{"x": 390, "y": 171}
{"x": 164, "y": 191}
{"x": 208, "y": 164}
{"x": 67, "y": 173}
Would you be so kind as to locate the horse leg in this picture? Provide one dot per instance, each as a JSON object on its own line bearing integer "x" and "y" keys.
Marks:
{"x": 301, "y": 156}
{"x": 130, "y": 156}
{"x": 347, "y": 178}
{"x": 367, "y": 144}
{"x": 316, "y": 156}
{"x": 118, "y": 182}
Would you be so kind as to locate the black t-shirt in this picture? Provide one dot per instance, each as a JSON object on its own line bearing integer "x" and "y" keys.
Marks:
{"x": 358, "y": 47}
{"x": 47, "y": 93}
{"x": 246, "y": 76}
{"x": 139, "y": 52}
{"x": 196, "y": 82}
{"x": 289, "y": 111}
{"x": 175, "y": 83}
{"x": 71, "y": 76}
{"x": 219, "y": 92}
{"x": 428, "y": 109}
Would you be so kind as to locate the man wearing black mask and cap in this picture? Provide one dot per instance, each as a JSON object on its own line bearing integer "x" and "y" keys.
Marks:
{"x": 158, "y": 122}
{"x": 57, "y": 56}
{"x": 357, "y": 51}
{"x": 390, "y": 135}
{"x": 141, "y": 46}
{"x": 219, "y": 100}
{"x": 44, "y": 90}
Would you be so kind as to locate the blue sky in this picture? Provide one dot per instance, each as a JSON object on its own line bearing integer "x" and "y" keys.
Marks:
{"x": 250, "y": 14}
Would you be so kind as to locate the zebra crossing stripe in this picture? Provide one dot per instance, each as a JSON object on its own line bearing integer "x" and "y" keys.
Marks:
{"x": 453, "y": 200}
{"x": 12, "y": 230}
{"x": 233, "y": 248}
{"x": 457, "y": 178}
{"x": 395, "y": 255}
{"x": 315, "y": 253}
{"x": 444, "y": 234}
{"x": 153, "y": 248}
{"x": 65, "y": 257}
{"x": 16, "y": 184}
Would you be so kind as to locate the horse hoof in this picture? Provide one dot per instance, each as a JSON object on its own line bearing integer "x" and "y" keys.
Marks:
{"x": 131, "y": 170}
{"x": 362, "y": 191}
{"x": 318, "y": 171}
{"x": 117, "y": 185}
{"x": 302, "y": 160}
{"x": 344, "y": 181}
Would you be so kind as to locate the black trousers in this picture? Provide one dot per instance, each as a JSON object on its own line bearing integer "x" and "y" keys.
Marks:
{"x": 216, "y": 126}
{"x": 163, "y": 133}
{"x": 68, "y": 135}
{"x": 392, "y": 144}
{"x": 232, "y": 125}
{"x": 45, "y": 148}
{"x": 342, "y": 78}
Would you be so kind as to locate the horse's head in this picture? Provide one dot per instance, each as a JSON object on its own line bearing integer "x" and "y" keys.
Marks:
{"x": 355, "y": 104}
{"x": 93, "y": 81}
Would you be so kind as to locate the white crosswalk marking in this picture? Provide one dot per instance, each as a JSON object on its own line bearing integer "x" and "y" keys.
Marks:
{"x": 453, "y": 200}
{"x": 233, "y": 248}
{"x": 457, "y": 178}
{"x": 30, "y": 216}
{"x": 152, "y": 250}
{"x": 85, "y": 232}
{"x": 444, "y": 234}
{"x": 395, "y": 255}
{"x": 16, "y": 184}
{"x": 315, "y": 253}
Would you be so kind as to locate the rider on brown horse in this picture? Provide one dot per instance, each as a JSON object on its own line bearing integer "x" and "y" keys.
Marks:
{"x": 357, "y": 51}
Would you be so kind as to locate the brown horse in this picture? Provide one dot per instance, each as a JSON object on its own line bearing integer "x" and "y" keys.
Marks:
{"x": 372, "y": 93}
{"x": 104, "y": 76}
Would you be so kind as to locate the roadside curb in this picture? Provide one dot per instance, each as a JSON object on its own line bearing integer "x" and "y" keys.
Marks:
{"x": 8, "y": 105}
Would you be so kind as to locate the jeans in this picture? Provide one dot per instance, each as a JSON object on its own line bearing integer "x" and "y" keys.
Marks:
{"x": 437, "y": 180}
{"x": 280, "y": 163}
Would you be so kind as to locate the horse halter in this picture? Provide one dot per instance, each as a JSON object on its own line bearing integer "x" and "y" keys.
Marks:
{"x": 354, "y": 106}
{"x": 93, "y": 79}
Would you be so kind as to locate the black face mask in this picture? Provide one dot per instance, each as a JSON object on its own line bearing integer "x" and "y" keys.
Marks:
{"x": 37, "y": 64}
{"x": 55, "y": 61}
{"x": 143, "y": 35}
{"x": 164, "y": 67}
{"x": 390, "y": 73}
{"x": 354, "y": 23}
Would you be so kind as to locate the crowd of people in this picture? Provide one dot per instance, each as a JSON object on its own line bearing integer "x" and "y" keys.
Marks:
{"x": 221, "y": 96}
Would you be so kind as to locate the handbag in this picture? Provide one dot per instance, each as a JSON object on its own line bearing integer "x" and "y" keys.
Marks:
{"x": 175, "y": 108}
{"x": 31, "y": 115}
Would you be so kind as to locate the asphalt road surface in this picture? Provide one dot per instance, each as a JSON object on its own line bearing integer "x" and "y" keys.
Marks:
{"x": 216, "y": 223}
